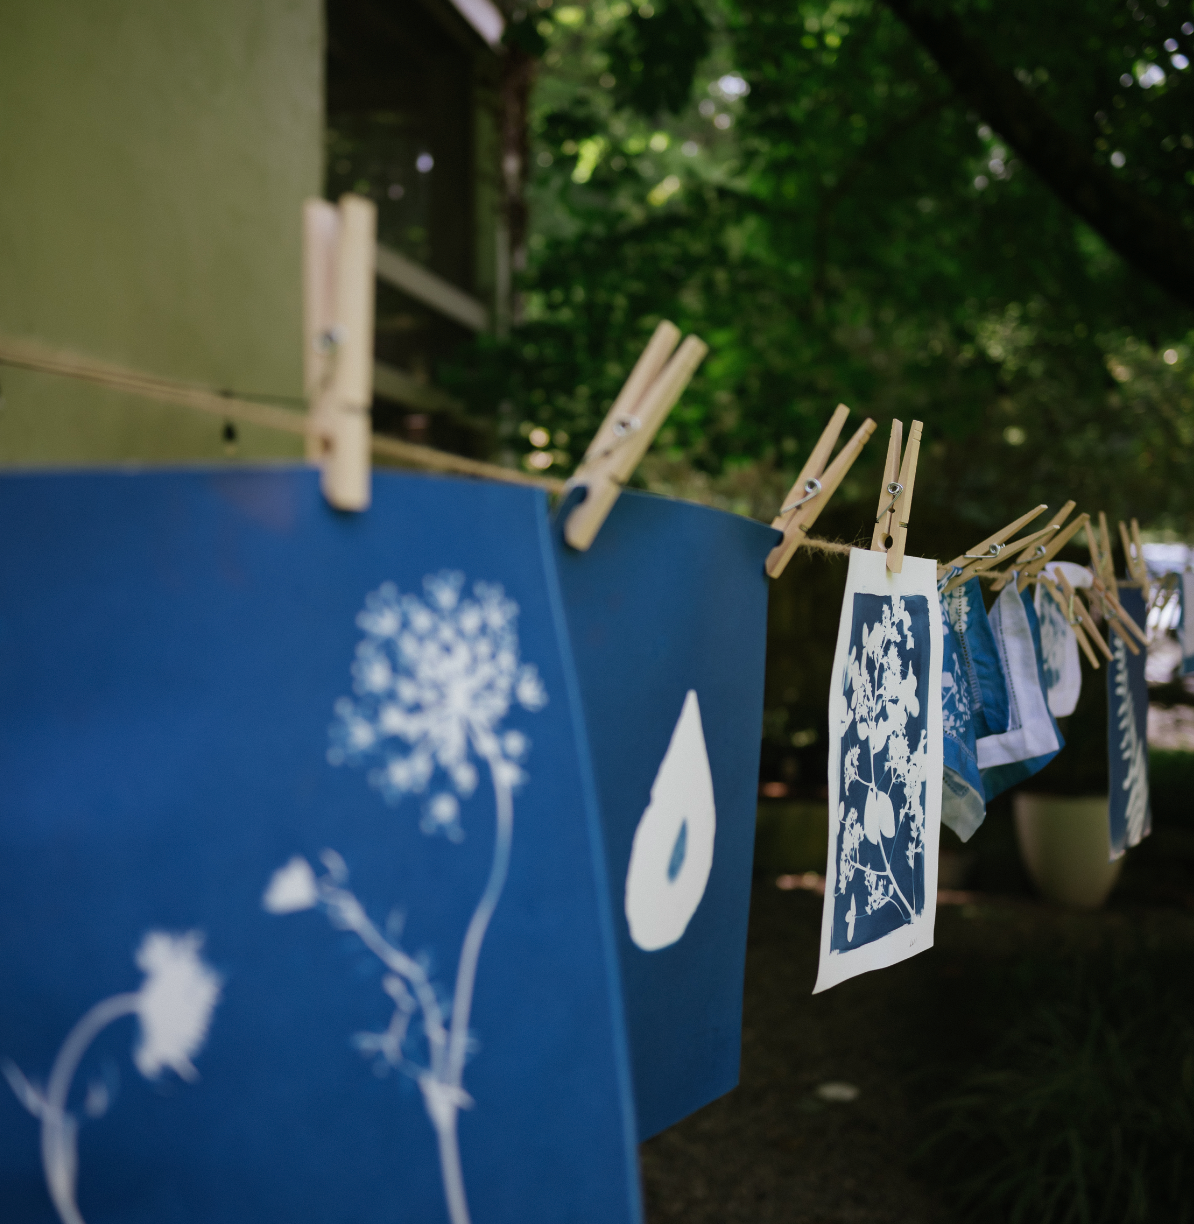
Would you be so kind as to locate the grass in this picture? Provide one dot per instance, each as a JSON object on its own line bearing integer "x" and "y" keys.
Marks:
{"x": 1084, "y": 1111}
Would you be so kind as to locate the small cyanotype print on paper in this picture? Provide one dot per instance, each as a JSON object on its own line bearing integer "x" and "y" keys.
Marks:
{"x": 885, "y": 769}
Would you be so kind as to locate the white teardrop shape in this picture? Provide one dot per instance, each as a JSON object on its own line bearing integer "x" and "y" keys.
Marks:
{"x": 673, "y": 844}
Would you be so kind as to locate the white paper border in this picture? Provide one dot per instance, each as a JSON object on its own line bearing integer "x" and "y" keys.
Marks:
{"x": 869, "y": 575}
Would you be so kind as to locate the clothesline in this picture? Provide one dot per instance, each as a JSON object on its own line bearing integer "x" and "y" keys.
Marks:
{"x": 31, "y": 355}
{"x": 837, "y": 548}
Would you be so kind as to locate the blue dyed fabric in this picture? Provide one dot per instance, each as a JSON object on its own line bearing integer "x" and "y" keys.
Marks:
{"x": 667, "y": 614}
{"x": 975, "y": 646}
{"x": 963, "y": 804}
{"x": 299, "y": 842}
{"x": 1032, "y": 738}
{"x": 1129, "y": 811}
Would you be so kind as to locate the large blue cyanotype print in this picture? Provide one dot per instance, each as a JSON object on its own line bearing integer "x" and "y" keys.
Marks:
{"x": 880, "y": 849}
{"x": 667, "y": 615}
{"x": 301, "y": 879}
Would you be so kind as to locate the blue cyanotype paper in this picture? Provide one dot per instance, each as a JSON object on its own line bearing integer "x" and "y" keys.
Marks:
{"x": 885, "y": 769}
{"x": 668, "y": 619}
{"x": 1032, "y": 738}
{"x": 1129, "y": 811}
{"x": 303, "y": 914}
{"x": 963, "y": 804}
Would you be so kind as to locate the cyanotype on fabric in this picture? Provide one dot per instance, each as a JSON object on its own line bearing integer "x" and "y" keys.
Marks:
{"x": 303, "y": 913}
{"x": 968, "y": 668}
{"x": 1059, "y": 644}
{"x": 668, "y": 620}
{"x": 975, "y": 644}
{"x": 1032, "y": 738}
{"x": 1129, "y": 811}
{"x": 885, "y": 769}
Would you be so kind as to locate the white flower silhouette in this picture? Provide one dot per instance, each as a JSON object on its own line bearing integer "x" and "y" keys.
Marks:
{"x": 882, "y": 698}
{"x": 433, "y": 680}
{"x": 174, "y": 1005}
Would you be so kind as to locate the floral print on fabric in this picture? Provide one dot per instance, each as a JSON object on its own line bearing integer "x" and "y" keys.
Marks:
{"x": 880, "y": 827}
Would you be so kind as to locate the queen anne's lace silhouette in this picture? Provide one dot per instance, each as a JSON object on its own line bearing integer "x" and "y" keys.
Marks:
{"x": 882, "y": 764}
{"x": 174, "y": 1005}
{"x": 433, "y": 680}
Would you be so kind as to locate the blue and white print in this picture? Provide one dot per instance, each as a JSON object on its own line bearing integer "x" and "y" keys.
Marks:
{"x": 1059, "y": 645}
{"x": 174, "y": 1007}
{"x": 304, "y": 912}
{"x": 975, "y": 645}
{"x": 1032, "y": 738}
{"x": 886, "y": 720}
{"x": 434, "y": 678}
{"x": 963, "y": 806}
{"x": 1129, "y": 812}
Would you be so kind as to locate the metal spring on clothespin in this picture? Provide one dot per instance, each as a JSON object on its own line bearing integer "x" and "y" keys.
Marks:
{"x": 895, "y": 489}
{"x": 811, "y": 488}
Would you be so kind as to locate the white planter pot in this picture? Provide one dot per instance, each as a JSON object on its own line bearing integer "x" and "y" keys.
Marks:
{"x": 1066, "y": 846}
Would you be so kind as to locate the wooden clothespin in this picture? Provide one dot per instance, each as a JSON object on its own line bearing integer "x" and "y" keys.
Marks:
{"x": 339, "y": 257}
{"x": 816, "y": 484}
{"x": 1030, "y": 552}
{"x": 983, "y": 564}
{"x": 1042, "y": 557}
{"x": 1106, "y": 570}
{"x": 986, "y": 554}
{"x": 1134, "y": 557}
{"x": 655, "y": 384}
{"x": 1103, "y": 584}
{"x": 1074, "y": 620}
{"x": 1117, "y": 615}
{"x": 1163, "y": 592}
{"x": 991, "y": 547}
{"x": 1079, "y": 616}
{"x": 895, "y": 502}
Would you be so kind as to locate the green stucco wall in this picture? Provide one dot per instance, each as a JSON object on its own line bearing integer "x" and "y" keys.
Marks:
{"x": 154, "y": 156}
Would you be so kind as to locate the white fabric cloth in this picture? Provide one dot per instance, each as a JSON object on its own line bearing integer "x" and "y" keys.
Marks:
{"x": 1059, "y": 646}
{"x": 1030, "y": 729}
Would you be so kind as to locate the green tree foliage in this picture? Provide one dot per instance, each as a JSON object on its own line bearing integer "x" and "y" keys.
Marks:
{"x": 831, "y": 209}
{"x": 653, "y": 55}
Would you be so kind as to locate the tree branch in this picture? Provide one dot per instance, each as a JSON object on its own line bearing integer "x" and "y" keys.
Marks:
{"x": 1144, "y": 234}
